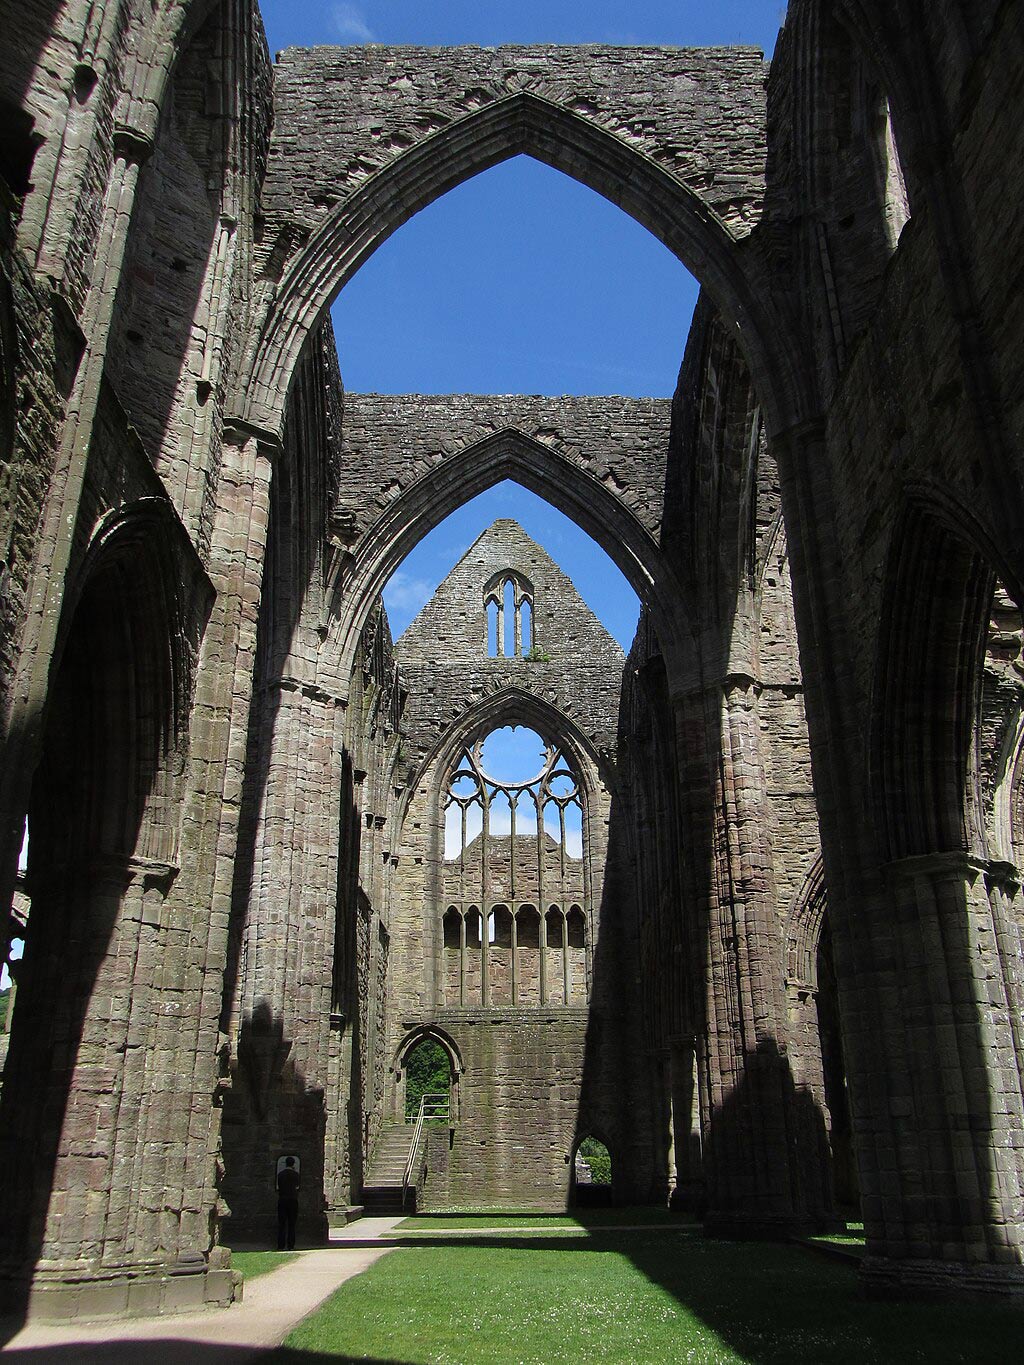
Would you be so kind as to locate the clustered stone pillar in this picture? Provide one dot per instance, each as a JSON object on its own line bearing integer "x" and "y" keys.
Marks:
{"x": 746, "y": 1079}
{"x": 947, "y": 1139}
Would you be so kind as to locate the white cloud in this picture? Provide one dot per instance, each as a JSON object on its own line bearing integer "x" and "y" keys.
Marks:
{"x": 350, "y": 25}
{"x": 404, "y": 593}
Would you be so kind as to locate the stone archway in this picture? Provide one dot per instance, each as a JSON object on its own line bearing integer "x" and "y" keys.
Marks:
{"x": 414, "y": 1037}
{"x": 623, "y": 519}
{"x": 336, "y": 191}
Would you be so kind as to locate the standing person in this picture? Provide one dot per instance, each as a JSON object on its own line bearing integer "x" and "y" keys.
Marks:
{"x": 287, "y": 1204}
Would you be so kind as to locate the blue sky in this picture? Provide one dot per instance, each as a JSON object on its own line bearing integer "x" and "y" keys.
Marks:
{"x": 682, "y": 23}
{"x": 520, "y": 280}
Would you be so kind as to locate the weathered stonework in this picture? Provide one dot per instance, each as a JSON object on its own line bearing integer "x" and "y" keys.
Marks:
{"x": 795, "y": 974}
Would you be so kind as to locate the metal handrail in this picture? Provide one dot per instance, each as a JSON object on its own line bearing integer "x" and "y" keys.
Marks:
{"x": 431, "y": 1107}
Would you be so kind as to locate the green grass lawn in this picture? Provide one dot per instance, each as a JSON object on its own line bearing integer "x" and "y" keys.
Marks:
{"x": 638, "y": 1297}
{"x": 253, "y": 1263}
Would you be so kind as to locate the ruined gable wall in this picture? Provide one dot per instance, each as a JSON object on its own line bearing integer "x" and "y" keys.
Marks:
{"x": 444, "y": 660}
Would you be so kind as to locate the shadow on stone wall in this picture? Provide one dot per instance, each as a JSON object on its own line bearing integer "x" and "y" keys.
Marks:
{"x": 616, "y": 1089}
{"x": 269, "y": 1111}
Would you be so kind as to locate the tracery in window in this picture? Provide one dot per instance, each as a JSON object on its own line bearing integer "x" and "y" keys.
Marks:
{"x": 513, "y": 841}
{"x": 508, "y": 604}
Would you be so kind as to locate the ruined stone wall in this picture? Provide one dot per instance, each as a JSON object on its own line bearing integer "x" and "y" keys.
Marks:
{"x": 720, "y": 770}
{"x": 620, "y": 442}
{"x": 39, "y": 347}
{"x": 902, "y": 508}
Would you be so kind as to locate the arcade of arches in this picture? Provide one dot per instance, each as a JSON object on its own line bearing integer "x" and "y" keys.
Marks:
{"x": 754, "y": 919}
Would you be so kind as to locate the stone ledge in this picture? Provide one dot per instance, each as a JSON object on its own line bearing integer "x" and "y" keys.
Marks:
{"x": 122, "y": 1293}
{"x": 884, "y": 1277}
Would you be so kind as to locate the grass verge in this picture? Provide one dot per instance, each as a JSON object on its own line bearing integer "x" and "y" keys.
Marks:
{"x": 639, "y": 1297}
{"x": 255, "y": 1263}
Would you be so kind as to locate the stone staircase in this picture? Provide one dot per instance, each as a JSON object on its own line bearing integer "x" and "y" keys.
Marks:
{"x": 382, "y": 1188}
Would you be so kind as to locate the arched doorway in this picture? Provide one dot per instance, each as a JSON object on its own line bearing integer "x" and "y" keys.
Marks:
{"x": 427, "y": 1078}
{"x": 591, "y": 1185}
{"x": 428, "y": 1065}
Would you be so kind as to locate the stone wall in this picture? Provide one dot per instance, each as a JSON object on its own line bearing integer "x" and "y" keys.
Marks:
{"x": 343, "y": 113}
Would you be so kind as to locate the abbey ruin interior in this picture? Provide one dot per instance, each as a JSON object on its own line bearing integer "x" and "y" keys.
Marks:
{"x": 753, "y": 920}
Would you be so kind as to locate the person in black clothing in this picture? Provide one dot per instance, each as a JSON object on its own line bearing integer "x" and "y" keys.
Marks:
{"x": 287, "y": 1204}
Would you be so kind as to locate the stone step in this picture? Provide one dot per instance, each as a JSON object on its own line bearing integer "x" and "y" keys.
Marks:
{"x": 388, "y": 1199}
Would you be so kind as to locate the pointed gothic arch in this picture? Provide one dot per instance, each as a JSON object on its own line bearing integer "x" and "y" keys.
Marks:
{"x": 522, "y": 123}
{"x": 605, "y": 515}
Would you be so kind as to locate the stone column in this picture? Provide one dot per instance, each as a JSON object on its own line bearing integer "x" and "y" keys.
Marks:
{"x": 938, "y": 1130}
{"x": 202, "y": 896}
{"x": 747, "y": 1118}
{"x": 284, "y": 1013}
{"x": 926, "y": 998}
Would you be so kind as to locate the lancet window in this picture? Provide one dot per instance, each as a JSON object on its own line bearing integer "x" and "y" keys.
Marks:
{"x": 508, "y": 603}
{"x": 514, "y": 915}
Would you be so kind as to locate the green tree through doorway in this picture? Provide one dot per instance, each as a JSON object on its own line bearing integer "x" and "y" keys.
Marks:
{"x": 427, "y": 1072}
{"x": 596, "y": 1155}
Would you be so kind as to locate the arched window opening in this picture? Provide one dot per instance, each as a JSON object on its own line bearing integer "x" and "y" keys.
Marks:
{"x": 428, "y": 1076}
{"x": 454, "y": 942}
{"x": 528, "y": 922}
{"x": 591, "y": 1174}
{"x": 494, "y": 844}
{"x": 471, "y": 975}
{"x": 526, "y": 813}
{"x": 554, "y": 920}
{"x": 452, "y": 928}
{"x": 473, "y": 928}
{"x": 572, "y": 822}
{"x": 501, "y": 964}
{"x": 508, "y": 602}
{"x": 511, "y": 622}
{"x": 557, "y": 957}
{"x": 527, "y": 956}
{"x": 501, "y": 920}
